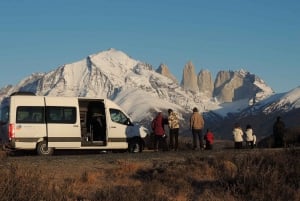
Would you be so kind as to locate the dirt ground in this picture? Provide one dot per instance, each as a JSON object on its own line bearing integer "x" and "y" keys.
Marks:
{"x": 66, "y": 164}
{"x": 74, "y": 162}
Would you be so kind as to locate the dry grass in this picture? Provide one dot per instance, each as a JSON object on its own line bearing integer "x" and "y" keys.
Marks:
{"x": 227, "y": 175}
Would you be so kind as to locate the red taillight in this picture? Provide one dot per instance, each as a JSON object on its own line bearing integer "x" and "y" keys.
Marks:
{"x": 11, "y": 131}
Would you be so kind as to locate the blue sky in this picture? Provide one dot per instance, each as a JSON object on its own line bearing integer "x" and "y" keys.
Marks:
{"x": 261, "y": 36}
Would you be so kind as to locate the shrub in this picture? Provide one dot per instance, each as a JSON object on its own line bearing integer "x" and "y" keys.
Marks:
{"x": 223, "y": 175}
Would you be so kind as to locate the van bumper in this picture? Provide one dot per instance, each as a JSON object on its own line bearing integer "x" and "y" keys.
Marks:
{"x": 7, "y": 147}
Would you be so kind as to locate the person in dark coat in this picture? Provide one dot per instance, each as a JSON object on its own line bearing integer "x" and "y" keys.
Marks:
{"x": 97, "y": 128}
{"x": 157, "y": 125}
{"x": 278, "y": 132}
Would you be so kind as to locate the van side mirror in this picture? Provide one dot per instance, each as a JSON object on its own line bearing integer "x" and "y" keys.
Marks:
{"x": 128, "y": 122}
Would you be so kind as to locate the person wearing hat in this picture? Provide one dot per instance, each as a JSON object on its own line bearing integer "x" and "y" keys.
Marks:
{"x": 249, "y": 136}
{"x": 197, "y": 125}
{"x": 173, "y": 123}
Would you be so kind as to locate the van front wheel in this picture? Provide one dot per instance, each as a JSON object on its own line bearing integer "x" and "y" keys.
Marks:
{"x": 42, "y": 149}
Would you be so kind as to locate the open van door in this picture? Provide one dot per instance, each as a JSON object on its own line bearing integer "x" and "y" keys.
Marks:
{"x": 63, "y": 122}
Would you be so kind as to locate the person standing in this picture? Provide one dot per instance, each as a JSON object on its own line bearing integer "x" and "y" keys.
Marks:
{"x": 173, "y": 123}
{"x": 237, "y": 136}
{"x": 249, "y": 137}
{"x": 97, "y": 128}
{"x": 209, "y": 139}
{"x": 197, "y": 125}
{"x": 254, "y": 140}
{"x": 157, "y": 125}
{"x": 278, "y": 132}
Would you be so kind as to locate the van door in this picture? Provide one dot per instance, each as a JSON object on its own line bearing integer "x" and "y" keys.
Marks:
{"x": 118, "y": 126}
{"x": 27, "y": 113}
{"x": 63, "y": 122}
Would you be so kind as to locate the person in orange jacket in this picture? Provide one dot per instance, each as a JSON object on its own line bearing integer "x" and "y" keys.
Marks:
{"x": 197, "y": 125}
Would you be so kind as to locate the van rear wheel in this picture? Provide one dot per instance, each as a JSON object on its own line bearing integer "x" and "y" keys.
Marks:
{"x": 42, "y": 149}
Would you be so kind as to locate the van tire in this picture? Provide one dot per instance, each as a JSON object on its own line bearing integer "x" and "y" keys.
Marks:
{"x": 42, "y": 149}
{"x": 135, "y": 146}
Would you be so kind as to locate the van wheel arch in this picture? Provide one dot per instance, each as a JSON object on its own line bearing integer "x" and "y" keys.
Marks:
{"x": 136, "y": 145}
{"x": 42, "y": 149}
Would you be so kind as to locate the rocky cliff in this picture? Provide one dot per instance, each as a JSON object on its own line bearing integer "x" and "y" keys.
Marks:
{"x": 164, "y": 70}
{"x": 205, "y": 83}
{"x": 228, "y": 86}
{"x": 189, "y": 78}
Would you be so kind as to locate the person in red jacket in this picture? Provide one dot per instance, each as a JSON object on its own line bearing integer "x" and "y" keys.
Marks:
{"x": 159, "y": 131}
{"x": 209, "y": 139}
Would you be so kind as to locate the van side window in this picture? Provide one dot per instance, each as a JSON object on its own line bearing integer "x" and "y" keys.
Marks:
{"x": 118, "y": 116}
{"x": 64, "y": 115}
{"x": 30, "y": 114}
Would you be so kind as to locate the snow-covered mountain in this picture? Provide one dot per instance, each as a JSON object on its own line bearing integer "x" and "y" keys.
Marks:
{"x": 142, "y": 90}
{"x": 114, "y": 75}
{"x": 261, "y": 115}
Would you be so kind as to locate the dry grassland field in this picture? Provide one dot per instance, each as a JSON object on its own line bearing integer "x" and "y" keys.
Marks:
{"x": 185, "y": 175}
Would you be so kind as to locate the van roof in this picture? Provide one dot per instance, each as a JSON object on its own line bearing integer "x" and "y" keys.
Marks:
{"x": 26, "y": 93}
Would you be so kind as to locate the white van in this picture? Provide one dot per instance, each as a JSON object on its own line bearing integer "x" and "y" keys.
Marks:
{"x": 45, "y": 123}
